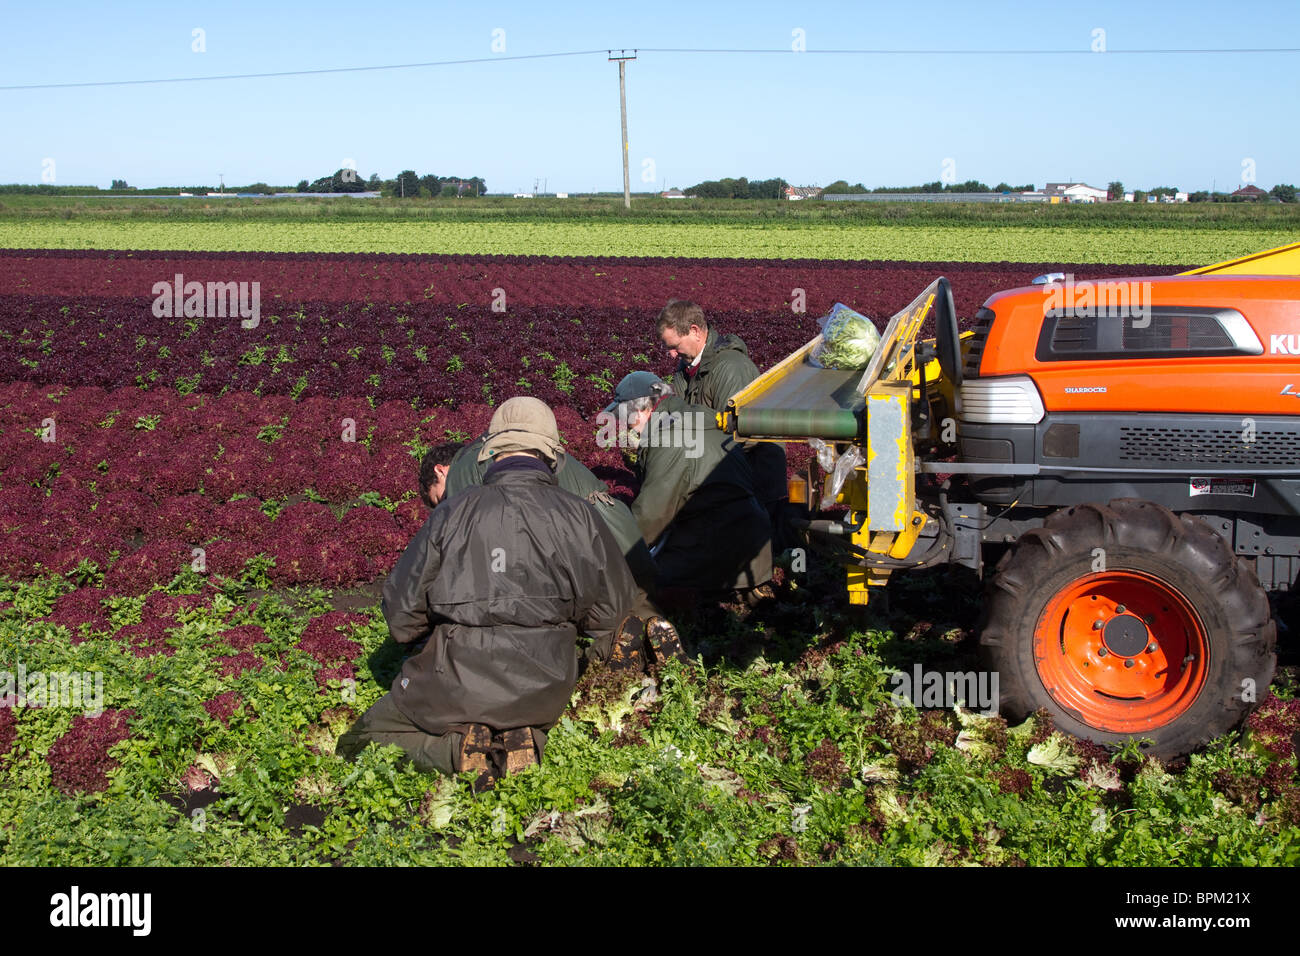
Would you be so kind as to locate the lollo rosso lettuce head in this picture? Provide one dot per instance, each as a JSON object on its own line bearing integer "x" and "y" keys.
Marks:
{"x": 849, "y": 340}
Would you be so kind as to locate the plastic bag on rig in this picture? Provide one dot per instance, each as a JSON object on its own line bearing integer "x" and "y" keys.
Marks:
{"x": 849, "y": 340}
{"x": 825, "y": 454}
{"x": 846, "y": 466}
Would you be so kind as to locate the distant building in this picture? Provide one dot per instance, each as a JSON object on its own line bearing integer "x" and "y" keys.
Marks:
{"x": 523, "y": 195}
{"x": 672, "y": 194}
{"x": 561, "y": 195}
{"x": 803, "y": 192}
{"x": 1073, "y": 192}
{"x": 1250, "y": 192}
{"x": 1128, "y": 197}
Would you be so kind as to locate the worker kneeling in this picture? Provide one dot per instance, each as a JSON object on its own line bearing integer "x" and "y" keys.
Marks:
{"x": 498, "y": 583}
{"x": 696, "y": 508}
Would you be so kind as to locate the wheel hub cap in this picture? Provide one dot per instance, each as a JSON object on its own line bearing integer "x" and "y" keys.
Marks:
{"x": 1125, "y": 635}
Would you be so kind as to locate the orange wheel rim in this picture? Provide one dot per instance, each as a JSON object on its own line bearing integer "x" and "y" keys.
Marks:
{"x": 1123, "y": 649}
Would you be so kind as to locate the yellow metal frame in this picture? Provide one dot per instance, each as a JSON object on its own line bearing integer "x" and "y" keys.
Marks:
{"x": 890, "y": 523}
{"x": 1282, "y": 261}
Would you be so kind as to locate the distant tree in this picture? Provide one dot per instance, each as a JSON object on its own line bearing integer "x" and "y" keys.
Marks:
{"x": 1139, "y": 196}
{"x": 119, "y": 184}
{"x": 347, "y": 181}
{"x": 374, "y": 180}
{"x": 431, "y": 185}
{"x": 767, "y": 189}
{"x": 1163, "y": 191}
{"x": 842, "y": 186}
{"x": 709, "y": 189}
{"x": 303, "y": 186}
{"x": 1283, "y": 192}
{"x": 1115, "y": 191}
{"x": 448, "y": 191}
{"x": 721, "y": 189}
{"x": 1201, "y": 195}
{"x": 969, "y": 186}
{"x": 407, "y": 183}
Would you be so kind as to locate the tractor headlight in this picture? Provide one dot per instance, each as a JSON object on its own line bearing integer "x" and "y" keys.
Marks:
{"x": 1013, "y": 400}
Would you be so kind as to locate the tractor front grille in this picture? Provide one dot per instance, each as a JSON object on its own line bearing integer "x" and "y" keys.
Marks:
{"x": 1245, "y": 445}
{"x": 975, "y": 345}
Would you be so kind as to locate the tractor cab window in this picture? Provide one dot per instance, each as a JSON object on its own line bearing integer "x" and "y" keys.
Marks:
{"x": 1154, "y": 332}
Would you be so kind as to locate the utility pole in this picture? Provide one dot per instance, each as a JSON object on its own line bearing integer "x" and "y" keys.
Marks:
{"x": 622, "y": 59}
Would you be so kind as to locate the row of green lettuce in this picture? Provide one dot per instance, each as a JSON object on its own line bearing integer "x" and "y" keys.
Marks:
{"x": 790, "y": 754}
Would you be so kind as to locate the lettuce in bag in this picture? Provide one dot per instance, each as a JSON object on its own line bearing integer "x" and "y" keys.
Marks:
{"x": 849, "y": 339}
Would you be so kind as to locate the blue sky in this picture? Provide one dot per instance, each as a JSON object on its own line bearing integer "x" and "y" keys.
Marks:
{"x": 1186, "y": 120}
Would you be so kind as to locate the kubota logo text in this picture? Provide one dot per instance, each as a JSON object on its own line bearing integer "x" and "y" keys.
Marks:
{"x": 1284, "y": 344}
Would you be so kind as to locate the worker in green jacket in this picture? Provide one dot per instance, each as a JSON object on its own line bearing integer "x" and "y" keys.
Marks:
{"x": 696, "y": 507}
{"x": 574, "y": 477}
{"x": 711, "y": 368}
{"x": 491, "y": 594}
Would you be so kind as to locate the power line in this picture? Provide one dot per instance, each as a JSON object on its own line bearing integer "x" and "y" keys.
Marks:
{"x": 671, "y": 50}
{"x": 259, "y": 76}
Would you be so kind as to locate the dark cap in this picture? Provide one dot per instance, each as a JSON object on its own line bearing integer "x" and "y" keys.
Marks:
{"x": 636, "y": 385}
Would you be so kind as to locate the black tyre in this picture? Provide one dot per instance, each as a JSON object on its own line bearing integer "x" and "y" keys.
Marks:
{"x": 1126, "y": 621}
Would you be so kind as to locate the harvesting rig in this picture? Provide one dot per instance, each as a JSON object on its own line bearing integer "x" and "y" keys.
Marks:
{"x": 1121, "y": 461}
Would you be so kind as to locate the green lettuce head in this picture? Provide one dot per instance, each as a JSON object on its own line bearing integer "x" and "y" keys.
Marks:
{"x": 849, "y": 340}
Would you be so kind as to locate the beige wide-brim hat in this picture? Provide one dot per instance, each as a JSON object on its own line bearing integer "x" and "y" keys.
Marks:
{"x": 522, "y": 424}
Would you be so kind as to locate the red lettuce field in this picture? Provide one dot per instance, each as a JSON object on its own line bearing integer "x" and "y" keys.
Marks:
{"x": 131, "y": 439}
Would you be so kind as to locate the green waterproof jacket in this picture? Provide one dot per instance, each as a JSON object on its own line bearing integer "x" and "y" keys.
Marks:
{"x": 574, "y": 477}
{"x": 499, "y": 581}
{"x": 725, "y": 368}
{"x": 697, "y": 502}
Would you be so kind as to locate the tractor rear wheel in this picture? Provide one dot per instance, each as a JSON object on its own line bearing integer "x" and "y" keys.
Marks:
{"x": 1126, "y": 621}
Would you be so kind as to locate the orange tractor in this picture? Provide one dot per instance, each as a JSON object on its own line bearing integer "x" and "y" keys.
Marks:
{"x": 1130, "y": 449}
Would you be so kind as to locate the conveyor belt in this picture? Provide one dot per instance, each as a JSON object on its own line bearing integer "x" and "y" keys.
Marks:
{"x": 806, "y": 402}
